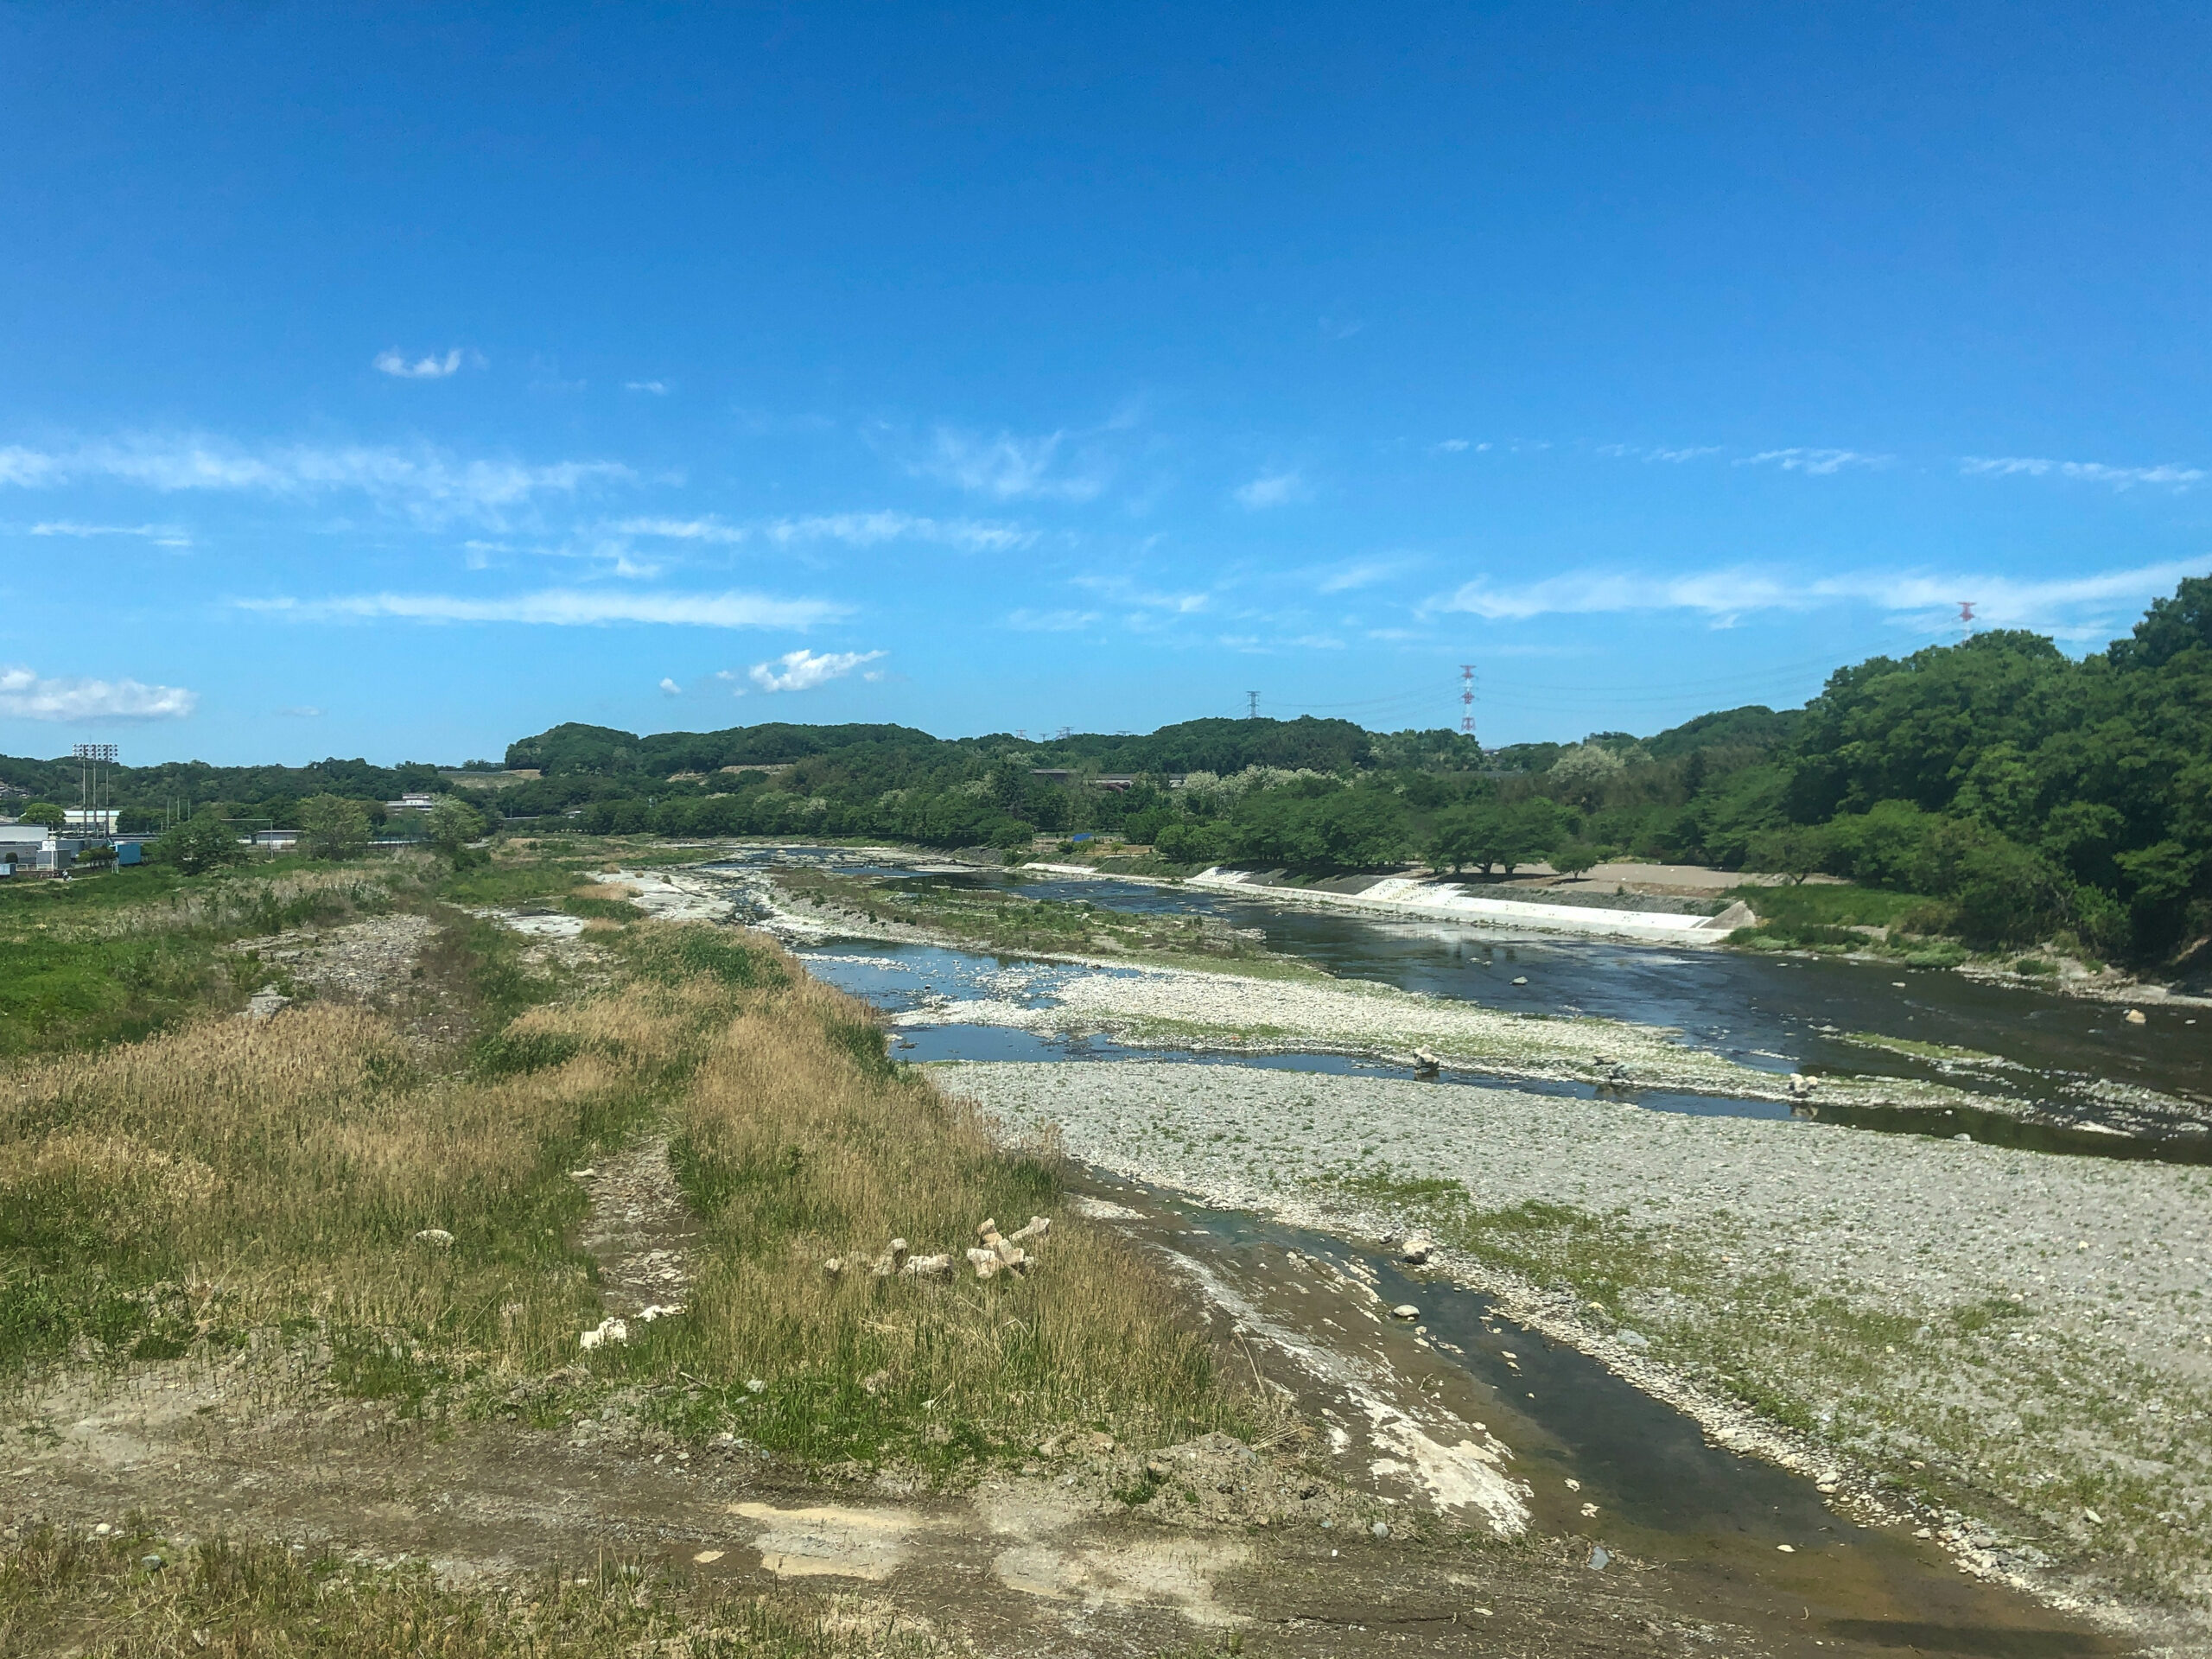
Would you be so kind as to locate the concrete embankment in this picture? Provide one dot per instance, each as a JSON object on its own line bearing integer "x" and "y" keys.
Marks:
{"x": 1429, "y": 901}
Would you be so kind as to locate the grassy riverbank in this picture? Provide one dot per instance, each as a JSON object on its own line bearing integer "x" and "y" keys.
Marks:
{"x": 373, "y": 1214}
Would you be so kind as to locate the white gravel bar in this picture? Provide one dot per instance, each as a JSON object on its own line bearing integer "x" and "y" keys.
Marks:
{"x": 1179, "y": 1007}
{"x": 2029, "y": 1326}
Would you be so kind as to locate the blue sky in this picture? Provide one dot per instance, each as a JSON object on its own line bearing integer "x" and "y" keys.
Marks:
{"x": 397, "y": 382}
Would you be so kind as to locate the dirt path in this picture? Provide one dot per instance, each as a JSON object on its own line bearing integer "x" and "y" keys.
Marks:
{"x": 640, "y": 1232}
{"x": 1021, "y": 1565}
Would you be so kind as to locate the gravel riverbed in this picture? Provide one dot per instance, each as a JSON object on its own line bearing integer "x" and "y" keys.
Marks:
{"x": 2014, "y": 1336}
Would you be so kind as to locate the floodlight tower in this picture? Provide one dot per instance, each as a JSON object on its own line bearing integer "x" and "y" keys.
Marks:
{"x": 91, "y": 758}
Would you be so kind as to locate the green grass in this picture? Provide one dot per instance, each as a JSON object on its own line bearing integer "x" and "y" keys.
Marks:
{"x": 67, "y": 1591}
{"x": 1828, "y": 905}
{"x": 1917, "y": 1050}
{"x": 116, "y": 957}
{"x": 1825, "y": 919}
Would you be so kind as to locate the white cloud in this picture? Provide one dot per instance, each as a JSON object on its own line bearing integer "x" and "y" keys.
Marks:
{"x": 1051, "y": 622}
{"x": 867, "y": 529}
{"x": 563, "y": 608}
{"x": 658, "y": 388}
{"x": 160, "y": 535}
{"x": 671, "y": 687}
{"x": 1361, "y": 573}
{"x": 26, "y": 468}
{"x": 707, "y": 529}
{"x": 301, "y": 711}
{"x": 24, "y": 696}
{"x": 1787, "y": 458}
{"x": 2120, "y": 478}
{"x": 802, "y": 670}
{"x": 422, "y": 368}
{"x": 1449, "y": 447}
{"x": 1123, "y": 591}
{"x": 2072, "y": 607}
{"x": 429, "y": 483}
{"x": 1816, "y": 462}
{"x": 1271, "y": 490}
{"x": 1007, "y": 466}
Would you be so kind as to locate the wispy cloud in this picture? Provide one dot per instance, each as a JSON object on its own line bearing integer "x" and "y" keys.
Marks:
{"x": 429, "y": 483}
{"x": 563, "y": 607}
{"x": 869, "y": 529}
{"x": 1361, "y": 573}
{"x": 1453, "y": 446}
{"x": 802, "y": 670}
{"x": 1274, "y": 489}
{"x": 2074, "y": 607}
{"x": 2169, "y": 474}
{"x": 1051, "y": 622}
{"x": 27, "y": 469}
{"x": 1010, "y": 467}
{"x": 658, "y": 388}
{"x": 1818, "y": 463}
{"x": 1699, "y": 451}
{"x": 25, "y": 695}
{"x": 160, "y": 535}
{"x": 1122, "y": 591}
{"x": 671, "y": 687}
{"x": 422, "y": 368}
{"x": 301, "y": 711}
{"x": 709, "y": 529}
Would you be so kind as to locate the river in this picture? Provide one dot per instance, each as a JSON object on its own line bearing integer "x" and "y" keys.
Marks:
{"x": 2078, "y": 1063}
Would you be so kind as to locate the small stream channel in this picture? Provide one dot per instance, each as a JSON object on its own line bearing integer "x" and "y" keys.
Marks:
{"x": 1717, "y": 1521}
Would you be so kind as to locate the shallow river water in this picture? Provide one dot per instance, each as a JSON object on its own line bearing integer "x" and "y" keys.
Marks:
{"x": 2079, "y": 1064}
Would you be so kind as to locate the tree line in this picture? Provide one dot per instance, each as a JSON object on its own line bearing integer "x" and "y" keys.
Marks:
{"x": 2029, "y": 794}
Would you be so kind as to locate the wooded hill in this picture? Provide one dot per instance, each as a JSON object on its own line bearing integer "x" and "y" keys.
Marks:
{"x": 2032, "y": 794}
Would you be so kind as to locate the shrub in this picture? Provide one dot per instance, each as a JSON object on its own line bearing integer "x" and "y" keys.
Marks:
{"x": 203, "y": 842}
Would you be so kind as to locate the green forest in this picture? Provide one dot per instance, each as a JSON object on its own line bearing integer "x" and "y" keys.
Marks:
{"x": 2031, "y": 795}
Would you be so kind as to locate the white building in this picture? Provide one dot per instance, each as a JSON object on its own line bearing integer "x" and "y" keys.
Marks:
{"x": 21, "y": 846}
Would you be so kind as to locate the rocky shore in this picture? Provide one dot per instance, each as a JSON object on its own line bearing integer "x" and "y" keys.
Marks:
{"x": 1960, "y": 1330}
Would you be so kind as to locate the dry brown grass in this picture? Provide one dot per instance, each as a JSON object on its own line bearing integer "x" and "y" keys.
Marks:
{"x": 235, "y": 1174}
{"x": 799, "y": 1143}
{"x": 227, "y": 1181}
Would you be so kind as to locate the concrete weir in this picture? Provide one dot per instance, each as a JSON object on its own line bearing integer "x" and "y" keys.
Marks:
{"x": 1431, "y": 901}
